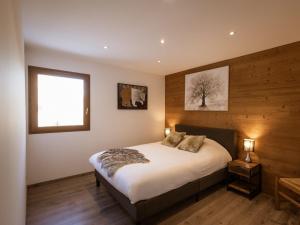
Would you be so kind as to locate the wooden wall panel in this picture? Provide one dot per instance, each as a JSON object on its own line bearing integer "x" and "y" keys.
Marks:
{"x": 264, "y": 104}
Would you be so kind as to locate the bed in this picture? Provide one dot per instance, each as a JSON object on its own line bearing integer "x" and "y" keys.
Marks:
{"x": 172, "y": 175}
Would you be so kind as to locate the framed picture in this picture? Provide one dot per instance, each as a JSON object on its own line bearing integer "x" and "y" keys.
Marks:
{"x": 132, "y": 96}
{"x": 207, "y": 90}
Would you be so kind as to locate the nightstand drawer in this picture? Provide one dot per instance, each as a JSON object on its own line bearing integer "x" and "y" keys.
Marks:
{"x": 242, "y": 168}
{"x": 239, "y": 170}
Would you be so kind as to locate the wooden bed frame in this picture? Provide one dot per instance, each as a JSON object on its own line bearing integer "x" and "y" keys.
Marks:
{"x": 144, "y": 209}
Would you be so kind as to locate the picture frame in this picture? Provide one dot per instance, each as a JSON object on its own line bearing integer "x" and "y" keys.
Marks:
{"x": 207, "y": 90}
{"x": 132, "y": 97}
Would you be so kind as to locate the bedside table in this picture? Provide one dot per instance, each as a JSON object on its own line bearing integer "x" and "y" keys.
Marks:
{"x": 244, "y": 178}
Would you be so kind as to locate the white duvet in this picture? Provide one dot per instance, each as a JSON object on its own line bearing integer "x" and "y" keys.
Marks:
{"x": 169, "y": 168}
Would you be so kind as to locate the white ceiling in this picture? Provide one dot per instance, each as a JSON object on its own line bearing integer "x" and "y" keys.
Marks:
{"x": 196, "y": 31}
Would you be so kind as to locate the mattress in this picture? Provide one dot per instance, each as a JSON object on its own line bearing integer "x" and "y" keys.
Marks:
{"x": 169, "y": 168}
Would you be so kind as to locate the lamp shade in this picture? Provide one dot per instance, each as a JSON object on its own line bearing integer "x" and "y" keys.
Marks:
{"x": 249, "y": 145}
{"x": 167, "y": 131}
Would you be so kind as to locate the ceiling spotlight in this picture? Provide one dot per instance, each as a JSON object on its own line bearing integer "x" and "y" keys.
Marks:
{"x": 105, "y": 47}
{"x": 162, "y": 41}
{"x": 158, "y": 61}
{"x": 231, "y": 33}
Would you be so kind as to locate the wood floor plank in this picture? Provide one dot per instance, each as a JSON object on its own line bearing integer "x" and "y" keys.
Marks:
{"x": 77, "y": 201}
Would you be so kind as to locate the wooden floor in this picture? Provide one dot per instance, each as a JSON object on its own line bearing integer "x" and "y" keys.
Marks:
{"x": 77, "y": 201}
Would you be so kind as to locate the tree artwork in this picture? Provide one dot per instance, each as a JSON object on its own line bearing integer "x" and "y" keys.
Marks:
{"x": 204, "y": 86}
{"x": 207, "y": 90}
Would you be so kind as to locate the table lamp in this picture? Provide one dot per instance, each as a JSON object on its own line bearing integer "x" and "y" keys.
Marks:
{"x": 167, "y": 131}
{"x": 248, "y": 147}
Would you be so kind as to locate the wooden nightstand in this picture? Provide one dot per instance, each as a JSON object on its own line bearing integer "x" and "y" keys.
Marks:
{"x": 244, "y": 178}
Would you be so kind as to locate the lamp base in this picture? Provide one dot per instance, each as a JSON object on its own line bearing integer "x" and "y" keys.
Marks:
{"x": 248, "y": 159}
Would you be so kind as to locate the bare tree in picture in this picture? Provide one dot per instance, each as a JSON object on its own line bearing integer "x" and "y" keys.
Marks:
{"x": 202, "y": 87}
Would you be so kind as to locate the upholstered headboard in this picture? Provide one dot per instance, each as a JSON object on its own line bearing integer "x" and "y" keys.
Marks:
{"x": 226, "y": 137}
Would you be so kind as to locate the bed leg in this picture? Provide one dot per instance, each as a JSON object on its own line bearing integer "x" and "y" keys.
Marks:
{"x": 97, "y": 183}
{"x": 197, "y": 197}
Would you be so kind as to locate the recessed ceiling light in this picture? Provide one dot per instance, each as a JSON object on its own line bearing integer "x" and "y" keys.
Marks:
{"x": 231, "y": 33}
{"x": 158, "y": 61}
{"x": 162, "y": 41}
{"x": 105, "y": 47}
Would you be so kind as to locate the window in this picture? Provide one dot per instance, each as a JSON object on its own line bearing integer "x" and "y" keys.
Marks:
{"x": 59, "y": 101}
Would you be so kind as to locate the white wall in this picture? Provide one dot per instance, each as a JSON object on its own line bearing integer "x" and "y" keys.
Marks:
{"x": 57, "y": 155}
{"x": 12, "y": 116}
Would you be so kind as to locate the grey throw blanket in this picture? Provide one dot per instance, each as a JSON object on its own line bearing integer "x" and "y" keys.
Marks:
{"x": 113, "y": 159}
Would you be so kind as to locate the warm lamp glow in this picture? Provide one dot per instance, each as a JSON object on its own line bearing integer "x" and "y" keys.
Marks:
{"x": 248, "y": 145}
{"x": 167, "y": 131}
{"x": 255, "y": 131}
